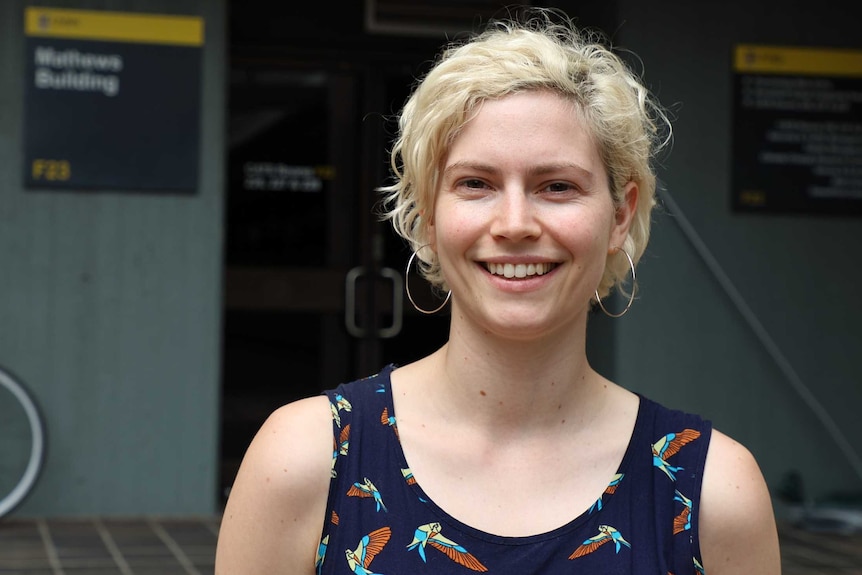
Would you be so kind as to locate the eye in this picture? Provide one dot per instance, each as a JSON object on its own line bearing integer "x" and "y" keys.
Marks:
{"x": 473, "y": 184}
{"x": 560, "y": 188}
{"x": 472, "y": 187}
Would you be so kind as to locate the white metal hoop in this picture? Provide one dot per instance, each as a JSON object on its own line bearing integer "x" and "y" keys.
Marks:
{"x": 407, "y": 288}
{"x": 631, "y": 296}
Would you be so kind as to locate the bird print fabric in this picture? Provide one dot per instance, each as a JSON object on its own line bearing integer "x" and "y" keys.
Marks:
{"x": 607, "y": 534}
{"x": 359, "y": 559}
{"x": 430, "y": 534}
{"x": 668, "y": 446}
{"x": 380, "y": 522}
{"x": 367, "y": 489}
{"x": 609, "y": 490}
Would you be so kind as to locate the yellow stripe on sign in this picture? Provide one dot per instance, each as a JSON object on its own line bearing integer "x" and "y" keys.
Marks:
{"x": 805, "y": 61}
{"x": 114, "y": 26}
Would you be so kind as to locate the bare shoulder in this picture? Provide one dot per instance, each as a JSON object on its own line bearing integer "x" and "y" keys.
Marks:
{"x": 737, "y": 523}
{"x": 275, "y": 512}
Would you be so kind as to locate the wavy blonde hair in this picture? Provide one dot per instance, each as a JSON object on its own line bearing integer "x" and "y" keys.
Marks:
{"x": 543, "y": 51}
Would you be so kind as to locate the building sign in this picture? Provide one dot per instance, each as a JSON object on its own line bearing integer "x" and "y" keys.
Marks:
{"x": 797, "y": 130}
{"x": 112, "y": 100}
{"x": 278, "y": 176}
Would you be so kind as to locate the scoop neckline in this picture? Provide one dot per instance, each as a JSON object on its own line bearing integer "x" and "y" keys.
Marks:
{"x": 564, "y": 529}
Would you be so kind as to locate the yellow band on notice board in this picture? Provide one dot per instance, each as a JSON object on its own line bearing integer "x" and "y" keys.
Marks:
{"x": 114, "y": 26}
{"x": 806, "y": 61}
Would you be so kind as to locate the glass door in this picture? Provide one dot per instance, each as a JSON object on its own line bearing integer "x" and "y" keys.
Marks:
{"x": 313, "y": 286}
{"x": 291, "y": 228}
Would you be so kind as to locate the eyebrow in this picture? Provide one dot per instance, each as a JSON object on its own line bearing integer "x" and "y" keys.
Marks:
{"x": 538, "y": 170}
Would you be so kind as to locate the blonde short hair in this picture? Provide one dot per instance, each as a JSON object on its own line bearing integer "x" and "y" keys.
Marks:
{"x": 536, "y": 53}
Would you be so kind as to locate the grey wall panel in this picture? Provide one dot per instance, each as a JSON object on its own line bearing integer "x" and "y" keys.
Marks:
{"x": 110, "y": 309}
{"x": 685, "y": 343}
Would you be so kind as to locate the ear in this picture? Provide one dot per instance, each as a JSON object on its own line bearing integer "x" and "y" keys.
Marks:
{"x": 624, "y": 215}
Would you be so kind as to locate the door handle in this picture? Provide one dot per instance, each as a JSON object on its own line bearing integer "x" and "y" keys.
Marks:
{"x": 397, "y": 304}
{"x": 350, "y": 280}
{"x": 353, "y": 327}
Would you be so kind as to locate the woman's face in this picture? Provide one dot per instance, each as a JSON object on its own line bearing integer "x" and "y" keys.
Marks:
{"x": 523, "y": 220}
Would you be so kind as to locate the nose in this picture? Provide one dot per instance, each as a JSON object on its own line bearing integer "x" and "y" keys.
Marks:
{"x": 515, "y": 216}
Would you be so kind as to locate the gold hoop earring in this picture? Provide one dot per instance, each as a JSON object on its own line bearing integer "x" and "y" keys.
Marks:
{"x": 407, "y": 287}
{"x": 631, "y": 296}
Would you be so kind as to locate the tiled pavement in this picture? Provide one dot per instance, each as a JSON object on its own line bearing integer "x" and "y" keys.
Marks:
{"x": 101, "y": 546}
{"x": 809, "y": 553}
{"x": 149, "y": 546}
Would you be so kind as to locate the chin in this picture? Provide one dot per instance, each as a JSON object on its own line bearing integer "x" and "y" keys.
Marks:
{"x": 522, "y": 329}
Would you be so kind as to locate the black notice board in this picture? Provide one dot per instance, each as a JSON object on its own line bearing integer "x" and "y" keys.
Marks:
{"x": 797, "y": 130}
{"x": 112, "y": 100}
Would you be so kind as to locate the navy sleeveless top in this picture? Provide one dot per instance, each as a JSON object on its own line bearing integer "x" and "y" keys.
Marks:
{"x": 379, "y": 521}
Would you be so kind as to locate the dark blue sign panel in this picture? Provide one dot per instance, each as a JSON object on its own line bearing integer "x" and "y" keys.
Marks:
{"x": 112, "y": 101}
{"x": 797, "y": 130}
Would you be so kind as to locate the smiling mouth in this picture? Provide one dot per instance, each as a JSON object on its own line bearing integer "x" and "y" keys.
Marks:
{"x": 519, "y": 270}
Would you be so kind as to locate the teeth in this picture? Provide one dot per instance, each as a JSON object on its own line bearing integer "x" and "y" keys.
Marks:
{"x": 519, "y": 270}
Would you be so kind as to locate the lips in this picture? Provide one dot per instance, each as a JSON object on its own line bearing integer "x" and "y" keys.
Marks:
{"x": 519, "y": 270}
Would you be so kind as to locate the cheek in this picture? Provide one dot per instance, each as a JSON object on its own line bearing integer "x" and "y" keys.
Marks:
{"x": 456, "y": 226}
{"x": 586, "y": 229}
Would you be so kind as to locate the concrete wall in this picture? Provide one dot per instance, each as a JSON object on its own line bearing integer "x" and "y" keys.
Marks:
{"x": 110, "y": 306}
{"x": 685, "y": 342}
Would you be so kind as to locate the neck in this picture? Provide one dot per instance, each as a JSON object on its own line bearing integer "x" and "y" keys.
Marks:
{"x": 523, "y": 384}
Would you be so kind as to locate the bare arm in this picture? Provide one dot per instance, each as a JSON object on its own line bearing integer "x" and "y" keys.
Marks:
{"x": 737, "y": 523}
{"x": 275, "y": 513}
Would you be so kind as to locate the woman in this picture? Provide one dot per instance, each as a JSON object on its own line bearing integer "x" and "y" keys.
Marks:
{"x": 523, "y": 183}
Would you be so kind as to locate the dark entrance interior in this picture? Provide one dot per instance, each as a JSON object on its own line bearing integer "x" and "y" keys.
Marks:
{"x": 310, "y": 97}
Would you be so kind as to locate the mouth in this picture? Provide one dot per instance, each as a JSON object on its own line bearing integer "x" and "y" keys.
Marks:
{"x": 524, "y": 270}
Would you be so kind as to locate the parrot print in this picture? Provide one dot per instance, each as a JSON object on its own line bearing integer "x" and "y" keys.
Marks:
{"x": 668, "y": 446}
{"x": 344, "y": 440}
{"x": 321, "y": 553}
{"x": 359, "y": 559}
{"x": 682, "y": 522}
{"x": 389, "y": 420}
{"x": 340, "y": 447}
{"x": 606, "y": 534}
{"x": 609, "y": 490}
{"x": 429, "y": 534}
{"x": 408, "y": 476}
{"x": 367, "y": 489}
{"x": 338, "y": 404}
